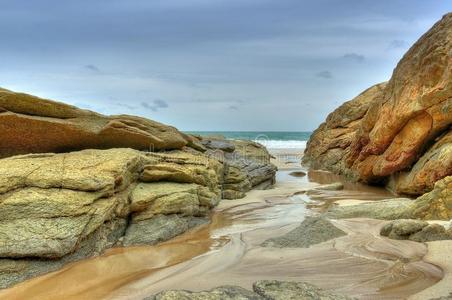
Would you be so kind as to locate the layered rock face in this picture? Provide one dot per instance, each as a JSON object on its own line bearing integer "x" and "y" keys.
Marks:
{"x": 64, "y": 206}
{"x": 397, "y": 132}
{"x": 247, "y": 165}
{"x": 48, "y": 126}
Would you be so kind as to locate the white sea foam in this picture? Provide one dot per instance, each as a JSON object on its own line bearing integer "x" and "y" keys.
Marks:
{"x": 278, "y": 144}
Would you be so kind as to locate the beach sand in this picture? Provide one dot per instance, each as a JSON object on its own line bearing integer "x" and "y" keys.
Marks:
{"x": 227, "y": 252}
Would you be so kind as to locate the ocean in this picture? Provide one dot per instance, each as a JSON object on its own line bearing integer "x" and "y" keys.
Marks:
{"x": 270, "y": 139}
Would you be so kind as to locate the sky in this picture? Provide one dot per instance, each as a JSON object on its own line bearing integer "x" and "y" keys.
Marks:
{"x": 251, "y": 65}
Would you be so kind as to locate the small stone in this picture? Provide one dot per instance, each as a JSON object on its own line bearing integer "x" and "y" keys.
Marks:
{"x": 297, "y": 174}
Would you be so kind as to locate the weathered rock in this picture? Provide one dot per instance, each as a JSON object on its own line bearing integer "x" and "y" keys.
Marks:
{"x": 391, "y": 209}
{"x": 220, "y": 293}
{"x": 247, "y": 167}
{"x": 13, "y": 271}
{"x": 402, "y": 229}
{"x": 329, "y": 145}
{"x": 433, "y": 232}
{"x": 389, "y": 128}
{"x": 286, "y": 290}
{"x": 50, "y": 203}
{"x": 312, "y": 231}
{"x": 435, "y": 164}
{"x": 437, "y": 204}
{"x": 263, "y": 290}
{"x": 55, "y": 208}
{"x": 159, "y": 228}
{"x": 449, "y": 297}
{"x": 415, "y": 230}
{"x": 30, "y": 124}
{"x": 218, "y": 144}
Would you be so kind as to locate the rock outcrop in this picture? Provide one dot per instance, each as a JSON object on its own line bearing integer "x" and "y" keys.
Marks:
{"x": 398, "y": 130}
{"x": 74, "y": 183}
{"x": 330, "y": 144}
{"x": 434, "y": 205}
{"x": 246, "y": 165}
{"x": 47, "y": 126}
{"x": 415, "y": 230}
{"x": 437, "y": 204}
{"x": 312, "y": 231}
{"x": 262, "y": 290}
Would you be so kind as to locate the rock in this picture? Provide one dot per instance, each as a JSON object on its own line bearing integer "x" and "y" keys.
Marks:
{"x": 285, "y": 290}
{"x": 297, "y": 174}
{"x": 48, "y": 126}
{"x": 220, "y": 144}
{"x": 13, "y": 271}
{"x": 336, "y": 186}
{"x": 247, "y": 167}
{"x": 399, "y": 127}
{"x": 433, "y": 232}
{"x": 312, "y": 231}
{"x": 220, "y": 293}
{"x": 437, "y": 204}
{"x": 160, "y": 228}
{"x": 449, "y": 297}
{"x": 57, "y": 208}
{"x": 149, "y": 199}
{"x": 392, "y": 209}
{"x": 50, "y": 203}
{"x": 263, "y": 290}
{"x": 434, "y": 165}
{"x": 402, "y": 229}
{"x": 329, "y": 145}
{"x": 415, "y": 230}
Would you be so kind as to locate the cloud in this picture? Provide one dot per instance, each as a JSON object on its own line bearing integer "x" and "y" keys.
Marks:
{"x": 324, "y": 74}
{"x": 397, "y": 44}
{"x": 156, "y": 105}
{"x": 354, "y": 57}
{"x": 131, "y": 107}
{"x": 92, "y": 68}
{"x": 233, "y": 107}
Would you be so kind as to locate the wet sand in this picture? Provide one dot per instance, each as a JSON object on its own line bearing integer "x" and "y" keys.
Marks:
{"x": 361, "y": 264}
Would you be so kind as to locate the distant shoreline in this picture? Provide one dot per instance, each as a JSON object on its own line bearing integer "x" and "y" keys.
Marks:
{"x": 270, "y": 139}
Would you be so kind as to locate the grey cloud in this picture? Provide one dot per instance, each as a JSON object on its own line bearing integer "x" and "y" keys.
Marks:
{"x": 233, "y": 107}
{"x": 217, "y": 51}
{"x": 354, "y": 57}
{"x": 131, "y": 107}
{"x": 396, "y": 44}
{"x": 325, "y": 74}
{"x": 92, "y": 68}
{"x": 156, "y": 105}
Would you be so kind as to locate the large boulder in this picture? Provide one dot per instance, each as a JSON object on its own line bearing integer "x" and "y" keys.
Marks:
{"x": 437, "y": 204}
{"x": 402, "y": 126}
{"x": 246, "y": 166}
{"x": 29, "y": 124}
{"x": 415, "y": 230}
{"x": 329, "y": 145}
{"x": 433, "y": 165}
{"x": 58, "y": 207}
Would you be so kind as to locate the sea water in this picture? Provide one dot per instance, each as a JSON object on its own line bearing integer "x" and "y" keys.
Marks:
{"x": 270, "y": 139}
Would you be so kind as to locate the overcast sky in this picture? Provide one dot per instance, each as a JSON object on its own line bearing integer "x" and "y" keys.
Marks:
{"x": 208, "y": 64}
